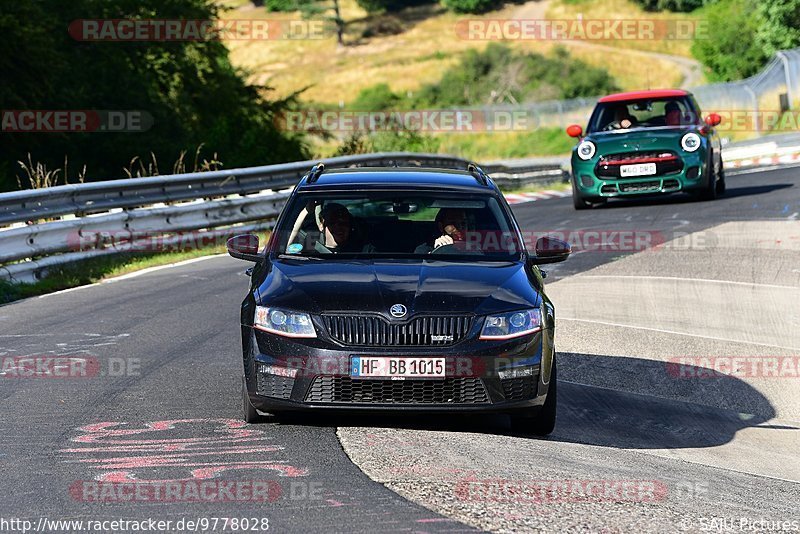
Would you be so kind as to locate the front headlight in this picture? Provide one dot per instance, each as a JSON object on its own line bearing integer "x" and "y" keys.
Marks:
{"x": 284, "y": 322}
{"x": 586, "y": 150}
{"x": 690, "y": 142}
{"x": 510, "y": 325}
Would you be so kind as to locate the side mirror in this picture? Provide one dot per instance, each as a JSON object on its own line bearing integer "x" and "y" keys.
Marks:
{"x": 244, "y": 247}
{"x": 550, "y": 250}
{"x": 713, "y": 119}
{"x": 574, "y": 130}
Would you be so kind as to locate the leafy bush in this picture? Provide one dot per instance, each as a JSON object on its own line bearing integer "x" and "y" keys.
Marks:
{"x": 729, "y": 52}
{"x": 779, "y": 25}
{"x": 500, "y": 75}
{"x": 682, "y": 6}
{"x": 376, "y": 6}
{"x": 470, "y": 6}
{"x": 397, "y": 140}
{"x": 282, "y": 5}
{"x": 377, "y": 97}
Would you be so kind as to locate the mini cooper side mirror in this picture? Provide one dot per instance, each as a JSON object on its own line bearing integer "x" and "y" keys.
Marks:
{"x": 244, "y": 247}
{"x": 713, "y": 119}
{"x": 550, "y": 250}
{"x": 574, "y": 130}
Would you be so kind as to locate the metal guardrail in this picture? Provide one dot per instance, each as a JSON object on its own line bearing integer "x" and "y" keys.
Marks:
{"x": 44, "y": 227}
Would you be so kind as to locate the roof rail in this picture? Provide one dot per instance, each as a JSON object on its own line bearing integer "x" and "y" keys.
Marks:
{"x": 315, "y": 172}
{"x": 478, "y": 173}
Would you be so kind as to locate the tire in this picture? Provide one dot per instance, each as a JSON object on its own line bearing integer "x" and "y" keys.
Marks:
{"x": 721, "y": 181}
{"x": 544, "y": 422}
{"x": 710, "y": 191}
{"x": 249, "y": 413}
{"x": 577, "y": 201}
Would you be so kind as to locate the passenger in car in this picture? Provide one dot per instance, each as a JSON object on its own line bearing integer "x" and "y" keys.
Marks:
{"x": 452, "y": 225}
{"x": 338, "y": 231}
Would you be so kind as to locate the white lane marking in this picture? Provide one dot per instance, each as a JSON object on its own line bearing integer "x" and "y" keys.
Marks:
{"x": 761, "y": 169}
{"x": 664, "y": 331}
{"x": 130, "y": 275}
{"x": 682, "y": 279}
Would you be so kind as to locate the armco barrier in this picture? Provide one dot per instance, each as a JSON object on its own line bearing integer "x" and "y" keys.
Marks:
{"x": 40, "y": 228}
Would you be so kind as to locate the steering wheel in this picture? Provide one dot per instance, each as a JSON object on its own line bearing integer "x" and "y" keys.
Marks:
{"x": 459, "y": 247}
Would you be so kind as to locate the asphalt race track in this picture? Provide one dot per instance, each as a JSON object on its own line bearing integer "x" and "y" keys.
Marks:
{"x": 651, "y": 286}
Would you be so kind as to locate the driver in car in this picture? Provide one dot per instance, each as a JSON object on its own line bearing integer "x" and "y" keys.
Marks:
{"x": 452, "y": 224}
{"x": 622, "y": 119}
{"x": 338, "y": 232}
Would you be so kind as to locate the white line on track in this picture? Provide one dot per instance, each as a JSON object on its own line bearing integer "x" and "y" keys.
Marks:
{"x": 664, "y": 331}
{"x": 131, "y": 275}
{"x": 682, "y": 279}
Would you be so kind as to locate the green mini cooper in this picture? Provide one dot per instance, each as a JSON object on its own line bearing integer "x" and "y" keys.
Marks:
{"x": 646, "y": 143}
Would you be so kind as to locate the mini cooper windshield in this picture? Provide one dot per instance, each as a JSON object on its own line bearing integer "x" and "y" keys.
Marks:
{"x": 397, "y": 225}
{"x": 645, "y": 113}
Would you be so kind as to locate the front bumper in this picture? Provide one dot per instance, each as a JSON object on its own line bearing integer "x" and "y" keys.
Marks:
{"x": 309, "y": 375}
{"x": 692, "y": 176}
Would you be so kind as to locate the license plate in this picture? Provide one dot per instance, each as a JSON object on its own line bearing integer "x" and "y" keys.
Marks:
{"x": 639, "y": 169}
{"x": 396, "y": 368}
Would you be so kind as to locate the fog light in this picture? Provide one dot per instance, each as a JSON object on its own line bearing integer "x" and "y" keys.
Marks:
{"x": 516, "y": 372}
{"x": 586, "y": 180}
{"x": 287, "y": 372}
{"x": 693, "y": 173}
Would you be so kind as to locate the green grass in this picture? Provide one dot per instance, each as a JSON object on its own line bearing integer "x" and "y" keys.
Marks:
{"x": 496, "y": 145}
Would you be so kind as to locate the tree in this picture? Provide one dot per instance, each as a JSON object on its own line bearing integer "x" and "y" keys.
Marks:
{"x": 190, "y": 88}
{"x": 779, "y": 25}
{"x": 728, "y": 51}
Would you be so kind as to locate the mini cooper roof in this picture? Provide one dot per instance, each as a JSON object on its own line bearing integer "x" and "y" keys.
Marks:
{"x": 472, "y": 178}
{"x": 639, "y": 95}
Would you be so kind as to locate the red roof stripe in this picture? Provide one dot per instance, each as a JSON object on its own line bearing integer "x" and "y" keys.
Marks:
{"x": 638, "y": 95}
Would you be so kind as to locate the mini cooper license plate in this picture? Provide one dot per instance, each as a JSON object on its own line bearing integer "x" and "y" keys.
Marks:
{"x": 396, "y": 368}
{"x": 638, "y": 169}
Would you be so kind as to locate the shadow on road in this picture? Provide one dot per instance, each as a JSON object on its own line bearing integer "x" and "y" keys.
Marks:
{"x": 663, "y": 406}
{"x": 683, "y": 198}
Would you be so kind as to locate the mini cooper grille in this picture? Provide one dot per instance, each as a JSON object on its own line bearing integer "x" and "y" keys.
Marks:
{"x": 343, "y": 389}
{"x": 636, "y": 187}
{"x": 372, "y": 331}
{"x": 666, "y": 163}
{"x": 274, "y": 386}
{"x": 520, "y": 388}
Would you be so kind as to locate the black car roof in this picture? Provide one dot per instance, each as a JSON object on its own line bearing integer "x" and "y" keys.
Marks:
{"x": 395, "y": 177}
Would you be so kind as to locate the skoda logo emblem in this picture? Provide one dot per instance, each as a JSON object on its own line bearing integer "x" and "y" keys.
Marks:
{"x": 398, "y": 310}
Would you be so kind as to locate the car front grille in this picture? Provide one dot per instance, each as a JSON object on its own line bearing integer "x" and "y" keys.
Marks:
{"x": 374, "y": 331}
{"x": 666, "y": 163}
{"x": 279, "y": 387}
{"x": 520, "y": 388}
{"x": 345, "y": 390}
{"x": 640, "y": 187}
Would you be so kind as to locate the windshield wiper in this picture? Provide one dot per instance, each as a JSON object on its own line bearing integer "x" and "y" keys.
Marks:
{"x": 295, "y": 257}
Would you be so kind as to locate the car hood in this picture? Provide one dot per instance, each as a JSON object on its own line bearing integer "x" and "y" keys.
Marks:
{"x": 374, "y": 286}
{"x": 642, "y": 139}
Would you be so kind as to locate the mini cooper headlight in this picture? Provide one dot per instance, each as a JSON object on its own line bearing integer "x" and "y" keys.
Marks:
{"x": 586, "y": 150}
{"x": 690, "y": 142}
{"x": 510, "y": 325}
{"x": 284, "y": 322}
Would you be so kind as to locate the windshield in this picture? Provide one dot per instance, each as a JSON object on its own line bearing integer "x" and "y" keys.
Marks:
{"x": 397, "y": 225}
{"x": 648, "y": 113}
